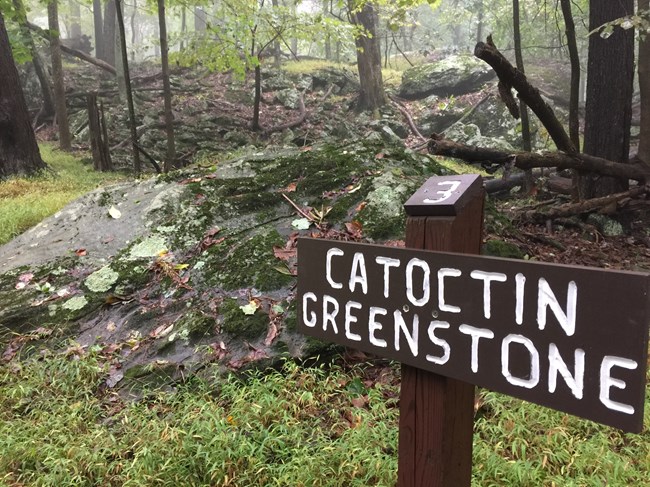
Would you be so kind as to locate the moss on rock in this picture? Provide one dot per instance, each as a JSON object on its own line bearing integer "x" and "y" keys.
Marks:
{"x": 240, "y": 325}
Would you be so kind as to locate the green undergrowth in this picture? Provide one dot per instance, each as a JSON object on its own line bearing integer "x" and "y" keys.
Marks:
{"x": 24, "y": 202}
{"x": 316, "y": 426}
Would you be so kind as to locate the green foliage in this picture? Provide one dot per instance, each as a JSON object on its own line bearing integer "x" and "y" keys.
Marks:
{"x": 26, "y": 201}
{"x": 639, "y": 21}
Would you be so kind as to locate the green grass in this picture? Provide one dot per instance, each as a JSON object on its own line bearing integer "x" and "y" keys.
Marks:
{"x": 293, "y": 427}
{"x": 24, "y": 202}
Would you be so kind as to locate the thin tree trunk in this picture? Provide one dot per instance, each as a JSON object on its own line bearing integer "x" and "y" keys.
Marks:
{"x": 108, "y": 50}
{"x": 167, "y": 91}
{"x": 183, "y": 27}
{"x": 75, "y": 19}
{"x": 574, "y": 57}
{"x": 644, "y": 88}
{"x": 523, "y": 109}
{"x": 19, "y": 152}
{"x": 98, "y": 23}
{"x": 255, "y": 123}
{"x": 65, "y": 139}
{"x": 129, "y": 93}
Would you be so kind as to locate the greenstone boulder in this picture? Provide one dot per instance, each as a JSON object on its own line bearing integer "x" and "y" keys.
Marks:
{"x": 453, "y": 75}
{"x": 196, "y": 272}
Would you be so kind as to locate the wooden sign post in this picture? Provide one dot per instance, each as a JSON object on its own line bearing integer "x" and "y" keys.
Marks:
{"x": 437, "y": 412}
{"x": 567, "y": 337}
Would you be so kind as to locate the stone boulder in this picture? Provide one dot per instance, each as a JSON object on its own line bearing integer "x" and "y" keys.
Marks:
{"x": 194, "y": 271}
{"x": 454, "y": 75}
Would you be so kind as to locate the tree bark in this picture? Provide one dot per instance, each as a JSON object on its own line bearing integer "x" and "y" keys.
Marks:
{"x": 19, "y": 152}
{"x": 170, "y": 157}
{"x": 65, "y": 139}
{"x": 108, "y": 48}
{"x": 98, "y": 24}
{"x": 96, "y": 132}
{"x": 523, "y": 110}
{"x": 371, "y": 96}
{"x": 608, "y": 111}
{"x": 574, "y": 57}
{"x": 47, "y": 111}
{"x": 127, "y": 82}
{"x": 644, "y": 88}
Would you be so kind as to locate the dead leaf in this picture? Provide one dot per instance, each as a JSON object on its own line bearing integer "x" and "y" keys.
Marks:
{"x": 284, "y": 254}
{"x": 80, "y": 252}
{"x": 271, "y": 334}
{"x": 111, "y": 326}
{"x": 360, "y": 401}
{"x": 360, "y": 206}
{"x": 355, "y": 229}
{"x": 162, "y": 330}
{"x": 291, "y": 187}
{"x": 114, "y": 213}
{"x": 115, "y": 375}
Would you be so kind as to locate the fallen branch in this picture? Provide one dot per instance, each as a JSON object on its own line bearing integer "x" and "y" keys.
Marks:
{"x": 586, "y": 206}
{"x": 512, "y": 77}
{"x": 409, "y": 119}
{"x": 293, "y": 123}
{"x": 440, "y": 146}
{"x": 74, "y": 52}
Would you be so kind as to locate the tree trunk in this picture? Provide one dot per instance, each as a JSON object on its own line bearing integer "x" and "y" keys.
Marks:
{"x": 255, "y": 123}
{"x": 167, "y": 90}
{"x": 75, "y": 19}
{"x": 127, "y": 82}
{"x": 644, "y": 88}
{"x": 98, "y": 24}
{"x": 200, "y": 19}
{"x": 608, "y": 111}
{"x": 47, "y": 111}
{"x": 574, "y": 57}
{"x": 371, "y": 96}
{"x": 183, "y": 27}
{"x": 479, "y": 23}
{"x": 65, "y": 139}
{"x": 523, "y": 109}
{"x": 108, "y": 49}
{"x": 19, "y": 152}
{"x": 98, "y": 143}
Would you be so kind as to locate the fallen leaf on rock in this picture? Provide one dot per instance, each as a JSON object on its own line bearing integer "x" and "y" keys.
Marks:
{"x": 80, "y": 252}
{"x": 284, "y": 254}
{"x": 291, "y": 187}
{"x": 250, "y": 308}
{"x": 114, "y": 213}
{"x": 115, "y": 375}
{"x": 162, "y": 330}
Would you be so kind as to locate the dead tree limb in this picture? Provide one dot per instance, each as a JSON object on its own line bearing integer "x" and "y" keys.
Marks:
{"x": 586, "y": 206}
{"x": 511, "y": 76}
{"x": 74, "y": 52}
{"x": 440, "y": 146}
{"x": 409, "y": 119}
{"x": 302, "y": 116}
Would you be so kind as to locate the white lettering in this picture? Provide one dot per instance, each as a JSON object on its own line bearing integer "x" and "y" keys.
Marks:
{"x": 557, "y": 364}
{"x": 328, "y": 267}
{"x": 440, "y": 342}
{"x": 476, "y": 334}
{"x": 607, "y": 382}
{"x": 546, "y": 298}
{"x": 487, "y": 278}
{"x": 520, "y": 281}
{"x": 426, "y": 291}
{"x": 445, "y": 193}
{"x": 442, "y": 273}
{"x": 533, "y": 378}
{"x": 374, "y": 325}
{"x": 308, "y": 319}
{"x": 387, "y": 262}
{"x": 330, "y": 316}
{"x": 349, "y": 319}
{"x": 411, "y": 338}
{"x": 358, "y": 273}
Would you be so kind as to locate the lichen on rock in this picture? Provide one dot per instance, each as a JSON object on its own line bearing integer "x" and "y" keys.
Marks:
{"x": 101, "y": 280}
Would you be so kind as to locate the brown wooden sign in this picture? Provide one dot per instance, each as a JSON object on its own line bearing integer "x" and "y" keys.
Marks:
{"x": 571, "y": 338}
